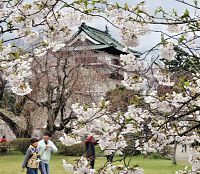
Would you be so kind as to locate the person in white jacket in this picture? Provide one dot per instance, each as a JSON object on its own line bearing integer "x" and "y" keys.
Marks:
{"x": 46, "y": 147}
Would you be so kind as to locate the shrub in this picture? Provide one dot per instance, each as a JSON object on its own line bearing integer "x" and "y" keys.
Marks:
{"x": 21, "y": 144}
{"x": 120, "y": 98}
{"x": 75, "y": 150}
{"x": 165, "y": 153}
{"x": 156, "y": 156}
{"x": 128, "y": 151}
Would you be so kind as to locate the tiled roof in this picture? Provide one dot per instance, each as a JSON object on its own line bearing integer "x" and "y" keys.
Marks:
{"x": 90, "y": 47}
{"x": 104, "y": 38}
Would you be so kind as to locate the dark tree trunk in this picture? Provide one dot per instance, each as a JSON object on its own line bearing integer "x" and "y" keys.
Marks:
{"x": 18, "y": 131}
{"x": 52, "y": 115}
{"x": 50, "y": 120}
{"x": 24, "y": 134}
{"x": 174, "y": 154}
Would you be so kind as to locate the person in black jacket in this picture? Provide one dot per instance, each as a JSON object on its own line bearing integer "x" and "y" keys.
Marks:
{"x": 90, "y": 150}
{"x": 110, "y": 157}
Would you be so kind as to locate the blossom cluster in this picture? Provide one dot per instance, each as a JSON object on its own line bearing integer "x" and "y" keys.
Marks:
{"x": 17, "y": 70}
{"x": 82, "y": 167}
{"x": 170, "y": 111}
{"x": 131, "y": 63}
{"x": 42, "y": 25}
{"x": 164, "y": 118}
{"x": 105, "y": 129}
{"x": 130, "y": 30}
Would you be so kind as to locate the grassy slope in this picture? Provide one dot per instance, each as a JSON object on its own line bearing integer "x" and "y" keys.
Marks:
{"x": 11, "y": 164}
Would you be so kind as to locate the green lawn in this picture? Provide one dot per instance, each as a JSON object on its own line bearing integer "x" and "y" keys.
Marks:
{"x": 11, "y": 164}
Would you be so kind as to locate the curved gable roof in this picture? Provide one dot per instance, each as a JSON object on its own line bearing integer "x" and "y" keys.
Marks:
{"x": 104, "y": 38}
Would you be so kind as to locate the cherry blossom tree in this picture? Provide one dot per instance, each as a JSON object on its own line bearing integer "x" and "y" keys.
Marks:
{"x": 60, "y": 79}
{"x": 171, "y": 114}
{"x": 15, "y": 112}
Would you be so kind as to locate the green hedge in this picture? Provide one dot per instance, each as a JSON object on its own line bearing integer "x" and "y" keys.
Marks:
{"x": 75, "y": 150}
{"x": 156, "y": 156}
{"x": 128, "y": 151}
{"x": 21, "y": 144}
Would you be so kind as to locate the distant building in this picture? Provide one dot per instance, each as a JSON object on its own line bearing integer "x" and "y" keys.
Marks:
{"x": 98, "y": 51}
{"x": 97, "y": 54}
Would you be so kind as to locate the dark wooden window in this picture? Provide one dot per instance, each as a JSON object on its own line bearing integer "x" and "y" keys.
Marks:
{"x": 115, "y": 62}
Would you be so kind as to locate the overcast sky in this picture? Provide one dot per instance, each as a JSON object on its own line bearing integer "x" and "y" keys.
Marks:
{"x": 147, "y": 41}
{"x": 150, "y": 40}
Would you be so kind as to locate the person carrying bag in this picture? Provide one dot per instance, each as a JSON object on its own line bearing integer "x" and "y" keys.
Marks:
{"x": 32, "y": 158}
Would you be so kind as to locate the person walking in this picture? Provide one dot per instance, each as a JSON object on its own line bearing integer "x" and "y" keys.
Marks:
{"x": 3, "y": 140}
{"x": 110, "y": 157}
{"x": 46, "y": 147}
{"x": 90, "y": 150}
{"x": 32, "y": 158}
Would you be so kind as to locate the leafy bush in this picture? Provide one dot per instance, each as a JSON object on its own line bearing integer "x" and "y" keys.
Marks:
{"x": 75, "y": 150}
{"x": 156, "y": 156}
{"x": 167, "y": 152}
{"x": 120, "y": 98}
{"x": 21, "y": 144}
{"x": 128, "y": 151}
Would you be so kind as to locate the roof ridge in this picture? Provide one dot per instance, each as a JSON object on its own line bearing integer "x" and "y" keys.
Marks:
{"x": 104, "y": 37}
{"x": 95, "y": 35}
{"x": 108, "y": 34}
{"x": 84, "y": 25}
